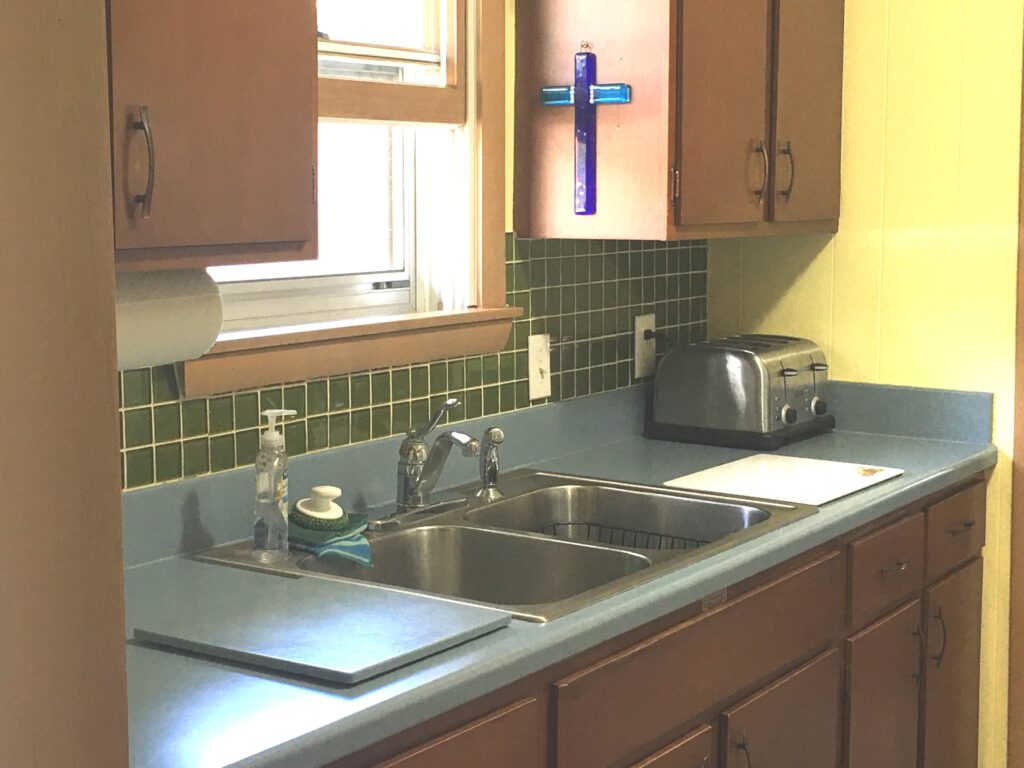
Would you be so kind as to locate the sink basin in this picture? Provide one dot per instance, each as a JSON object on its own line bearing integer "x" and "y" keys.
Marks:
{"x": 619, "y": 517}
{"x": 552, "y": 545}
{"x": 496, "y": 567}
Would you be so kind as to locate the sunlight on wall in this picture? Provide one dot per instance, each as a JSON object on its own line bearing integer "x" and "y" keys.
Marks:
{"x": 918, "y": 287}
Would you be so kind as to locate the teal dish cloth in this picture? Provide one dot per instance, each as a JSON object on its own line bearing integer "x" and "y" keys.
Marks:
{"x": 347, "y": 543}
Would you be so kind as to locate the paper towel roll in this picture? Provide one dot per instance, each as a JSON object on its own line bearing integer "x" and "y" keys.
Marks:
{"x": 166, "y": 317}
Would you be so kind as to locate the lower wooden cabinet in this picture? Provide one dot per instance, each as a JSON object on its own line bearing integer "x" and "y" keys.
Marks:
{"x": 891, "y": 623}
{"x": 794, "y": 722}
{"x": 951, "y": 677}
{"x": 695, "y": 750}
{"x": 883, "y": 683}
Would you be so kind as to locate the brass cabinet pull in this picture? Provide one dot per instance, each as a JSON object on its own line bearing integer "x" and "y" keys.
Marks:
{"x": 744, "y": 747}
{"x": 964, "y": 527}
{"x": 788, "y": 152}
{"x": 942, "y": 651}
{"x": 762, "y": 150}
{"x": 898, "y": 567}
{"x": 143, "y": 124}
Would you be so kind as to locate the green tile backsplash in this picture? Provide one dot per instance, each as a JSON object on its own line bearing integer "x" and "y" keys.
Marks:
{"x": 583, "y": 293}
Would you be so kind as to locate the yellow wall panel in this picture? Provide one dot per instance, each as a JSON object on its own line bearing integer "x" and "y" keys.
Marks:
{"x": 918, "y": 286}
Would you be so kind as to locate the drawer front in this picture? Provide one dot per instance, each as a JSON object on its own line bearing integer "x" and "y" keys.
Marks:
{"x": 696, "y": 750}
{"x": 509, "y": 738}
{"x": 612, "y": 711}
{"x": 956, "y": 530}
{"x": 886, "y": 567}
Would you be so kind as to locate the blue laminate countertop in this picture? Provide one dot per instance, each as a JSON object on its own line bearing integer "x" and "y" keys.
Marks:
{"x": 189, "y": 711}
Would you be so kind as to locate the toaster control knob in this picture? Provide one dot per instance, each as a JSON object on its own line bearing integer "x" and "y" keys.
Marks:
{"x": 818, "y": 406}
{"x": 789, "y": 414}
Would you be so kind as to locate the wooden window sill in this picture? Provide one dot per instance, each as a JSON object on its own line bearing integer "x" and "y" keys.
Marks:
{"x": 352, "y": 345}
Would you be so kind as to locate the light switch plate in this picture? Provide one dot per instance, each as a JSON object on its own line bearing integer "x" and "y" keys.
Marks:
{"x": 644, "y": 350}
{"x": 540, "y": 366}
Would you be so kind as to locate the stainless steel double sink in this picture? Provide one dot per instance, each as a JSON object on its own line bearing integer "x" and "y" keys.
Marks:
{"x": 553, "y": 544}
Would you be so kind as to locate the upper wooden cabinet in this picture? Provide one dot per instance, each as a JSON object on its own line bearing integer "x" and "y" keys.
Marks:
{"x": 734, "y": 127}
{"x": 213, "y": 125}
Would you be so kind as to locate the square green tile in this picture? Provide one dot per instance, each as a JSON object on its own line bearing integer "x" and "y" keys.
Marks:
{"x": 401, "y": 384}
{"x": 522, "y": 394}
{"x": 473, "y": 408}
{"x": 317, "y": 433}
{"x": 490, "y": 366}
{"x": 507, "y": 366}
{"x": 247, "y": 410}
{"x": 401, "y": 414}
{"x": 474, "y": 372}
{"x": 420, "y": 381}
{"x": 567, "y": 386}
{"x": 272, "y": 398}
{"x": 136, "y": 388}
{"x": 196, "y": 457}
{"x": 222, "y": 453}
{"x": 361, "y": 425}
{"x": 295, "y": 400}
{"x": 582, "y": 383}
{"x": 295, "y": 438}
{"x": 138, "y": 427}
{"x": 507, "y": 397}
{"x": 165, "y": 384}
{"x": 247, "y": 445}
{"x": 380, "y": 421}
{"x": 438, "y": 378}
{"x": 193, "y": 418}
{"x": 360, "y": 390}
{"x": 168, "y": 462}
{"x": 380, "y": 387}
{"x": 166, "y": 424}
{"x": 139, "y": 467}
{"x": 339, "y": 395}
{"x": 491, "y": 403}
{"x": 420, "y": 412}
{"x": 338, "y": 429}
{"x": 456, "y": 374}
{"x": 316, "y": 397}
{"x": 222, "y": 414}
{"x": 522, "y": 365}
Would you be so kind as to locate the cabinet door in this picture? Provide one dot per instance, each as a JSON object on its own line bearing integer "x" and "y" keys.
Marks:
{"x": 953, "y": 610}
{"x": 723, "y": 138}
{"x": 884, "y": 671}
{"x": 794, "y": 722}
{"x": 809, "y": 106}
{"x": 231, "y": 100}
{"x": 695, "y": 750}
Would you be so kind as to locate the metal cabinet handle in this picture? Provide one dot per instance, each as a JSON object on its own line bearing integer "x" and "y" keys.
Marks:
{"x": 919, "y": 634}
{"x": 762, "y": 150}
{"x": 743, "y": 746}
{"x": 942, "y": 651}
{"x": 964, "y": 527}
{"x": 143, "y": 124}
{"x": 898, "y": 567}
{"x": 788, "y": 152}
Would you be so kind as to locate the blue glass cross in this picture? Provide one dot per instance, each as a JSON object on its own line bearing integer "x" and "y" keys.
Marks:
{"x": 586, "y": 95}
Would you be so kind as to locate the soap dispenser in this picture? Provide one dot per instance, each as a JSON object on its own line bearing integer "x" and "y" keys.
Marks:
{"x": 270, "y": 516}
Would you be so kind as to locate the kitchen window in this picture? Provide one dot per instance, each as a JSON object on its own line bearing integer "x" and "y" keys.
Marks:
{"x": 410, "y": 200}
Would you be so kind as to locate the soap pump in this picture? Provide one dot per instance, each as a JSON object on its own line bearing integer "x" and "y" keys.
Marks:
{"x": 270, "y": 515}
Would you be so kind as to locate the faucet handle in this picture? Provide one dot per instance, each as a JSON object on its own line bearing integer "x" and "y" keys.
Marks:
{"x": 493, "y": 436}
{"x": 422, "y": 431}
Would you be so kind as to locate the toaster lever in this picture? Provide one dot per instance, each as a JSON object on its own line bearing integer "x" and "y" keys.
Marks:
{"x": 790, "y": 372}
{"x": 819, "y": 367}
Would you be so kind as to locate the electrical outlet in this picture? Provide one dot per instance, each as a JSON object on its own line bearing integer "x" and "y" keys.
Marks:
{"x": 644, "y": 350}
{"x": 540, "y": 365}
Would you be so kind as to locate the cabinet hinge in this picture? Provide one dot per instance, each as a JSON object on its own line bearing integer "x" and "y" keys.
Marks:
{"x": 674, "y": 184}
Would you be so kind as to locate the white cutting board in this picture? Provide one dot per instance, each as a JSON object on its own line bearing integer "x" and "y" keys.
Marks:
{"x": 787, "y": 478}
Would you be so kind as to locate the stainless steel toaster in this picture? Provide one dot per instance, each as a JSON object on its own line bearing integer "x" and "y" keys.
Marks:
{"x": 751, "y": 391}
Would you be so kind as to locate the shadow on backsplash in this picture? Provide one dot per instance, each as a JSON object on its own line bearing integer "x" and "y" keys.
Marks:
{"x": 583, "y": 293}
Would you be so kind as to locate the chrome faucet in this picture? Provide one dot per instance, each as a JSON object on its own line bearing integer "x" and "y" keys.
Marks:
{"x": 419, "y": 468}
{"x": 488, "y": 491}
